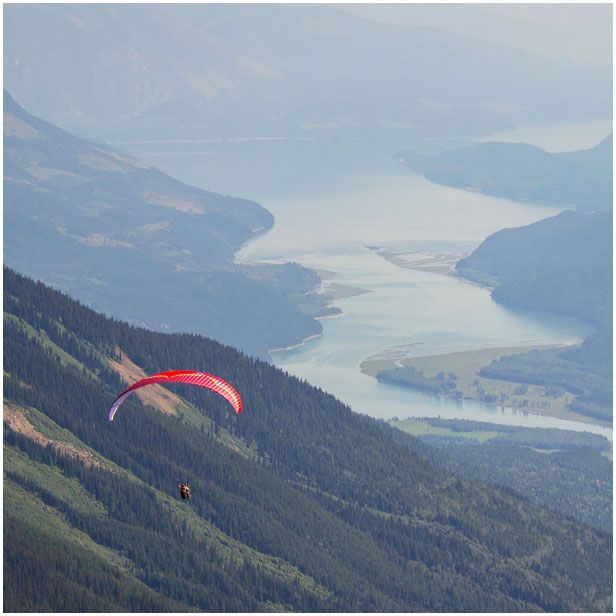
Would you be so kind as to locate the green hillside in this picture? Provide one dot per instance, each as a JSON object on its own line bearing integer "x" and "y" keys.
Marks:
{"x": 298, "y": 503}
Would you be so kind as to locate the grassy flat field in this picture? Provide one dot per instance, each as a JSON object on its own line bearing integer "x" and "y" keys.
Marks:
{"x": 465, "y": 365}
{"x": 419, "y": 427}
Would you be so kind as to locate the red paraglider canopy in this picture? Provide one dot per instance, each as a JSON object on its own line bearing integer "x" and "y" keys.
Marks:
{"x": 202, "y": 379}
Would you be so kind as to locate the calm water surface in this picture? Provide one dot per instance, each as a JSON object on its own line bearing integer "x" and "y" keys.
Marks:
{"x": 335, "y": 202}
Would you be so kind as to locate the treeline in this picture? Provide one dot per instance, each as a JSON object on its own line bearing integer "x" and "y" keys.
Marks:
{"x": 370, "y": 524}
{"x": 409, "y": 376}
{"x": 560, "y": 469}
{"x": 554, "y": 368}
{"x": 539, "y": 438}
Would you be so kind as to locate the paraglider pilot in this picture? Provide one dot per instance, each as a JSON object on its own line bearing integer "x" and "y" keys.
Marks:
{"x": 184, "y": 489}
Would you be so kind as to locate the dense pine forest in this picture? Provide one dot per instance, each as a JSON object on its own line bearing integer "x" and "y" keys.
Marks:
{"x": 298, "y": 504}
{"x": 570, "y": 472}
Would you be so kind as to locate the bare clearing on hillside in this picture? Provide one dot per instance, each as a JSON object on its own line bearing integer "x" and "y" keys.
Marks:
{"x": 18, "y": 422}
{"x": 154, "y": 395}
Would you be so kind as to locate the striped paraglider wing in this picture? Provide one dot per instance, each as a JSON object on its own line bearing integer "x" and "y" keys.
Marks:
{"x": 209, "y": 381}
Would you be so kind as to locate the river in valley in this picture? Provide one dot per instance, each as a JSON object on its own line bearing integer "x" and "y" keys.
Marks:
{"x": 348, "y": 209}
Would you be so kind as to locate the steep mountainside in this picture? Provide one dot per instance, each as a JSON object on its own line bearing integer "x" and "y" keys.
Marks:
{"x": 218, "y": 69}
{"x": 559, "y": 264}
{"x": 141, "y": 246}
{"x": 523, "y": 172}
{"x": 298, "y": 503}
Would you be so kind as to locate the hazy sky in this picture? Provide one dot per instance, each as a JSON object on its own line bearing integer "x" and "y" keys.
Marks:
{"x": 581, "y": 32}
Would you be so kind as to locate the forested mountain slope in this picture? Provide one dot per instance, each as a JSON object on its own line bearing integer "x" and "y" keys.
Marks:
{"x": 562, "y": 264}
{"x": 559, "y": 264}
{"x": 523, "y": 172}
{"x": 298, "y": 503}
{"x": 139, "y": 245}
{"x": 565, "y": 470}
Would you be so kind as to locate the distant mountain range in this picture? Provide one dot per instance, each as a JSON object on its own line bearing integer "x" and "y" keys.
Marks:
{"x": 523, "y": 172}
{"x": 141, "y": 246}
{"x": 208, "y": 69}
{"x": 298, "y": 504}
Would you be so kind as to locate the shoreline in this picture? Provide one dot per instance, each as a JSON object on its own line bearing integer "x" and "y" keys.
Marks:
{"x": 330, "y": 316}
{"x": 299, "y": 344}
{"x": 465, "y": 366}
